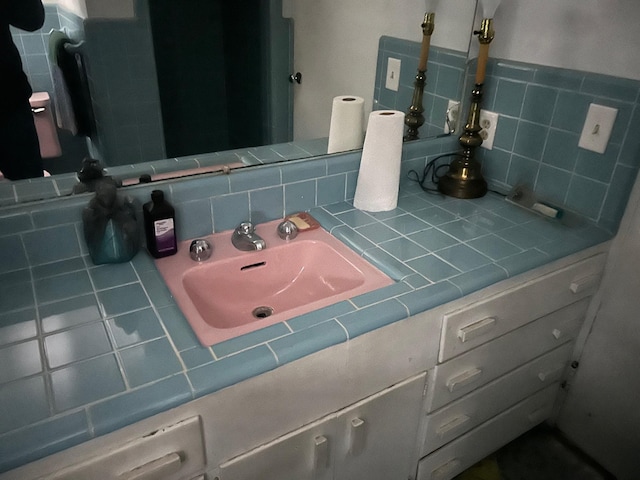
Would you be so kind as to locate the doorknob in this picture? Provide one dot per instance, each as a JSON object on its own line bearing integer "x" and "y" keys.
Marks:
{"x": 297, "y": 77}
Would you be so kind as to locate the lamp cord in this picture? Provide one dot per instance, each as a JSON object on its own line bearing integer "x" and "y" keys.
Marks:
{"x": 431, "y": 173}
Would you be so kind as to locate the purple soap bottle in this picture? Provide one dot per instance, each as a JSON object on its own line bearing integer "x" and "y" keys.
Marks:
{"x": 159, "y": 226}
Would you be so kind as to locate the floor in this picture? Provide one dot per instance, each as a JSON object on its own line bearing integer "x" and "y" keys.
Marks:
{"x": 540, "y": 454}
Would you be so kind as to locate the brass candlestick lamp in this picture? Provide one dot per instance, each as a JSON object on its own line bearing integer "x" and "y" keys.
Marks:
{"x": 464, "y": 178}
{"x": 415, "y": 118}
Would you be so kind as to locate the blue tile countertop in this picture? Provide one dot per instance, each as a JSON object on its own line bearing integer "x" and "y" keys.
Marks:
{"x": 102, "y": 347}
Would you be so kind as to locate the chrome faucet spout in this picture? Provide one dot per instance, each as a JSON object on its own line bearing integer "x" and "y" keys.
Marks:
{"x": 244, "y": 238}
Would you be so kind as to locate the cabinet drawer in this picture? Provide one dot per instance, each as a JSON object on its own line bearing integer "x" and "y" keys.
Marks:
{"x": 470, "y": 411}
{"x": 482, "y": 321}
{"x": 450, "y": 460}
{"x": 457, "y": 377}
{"x": 170, "y": 453}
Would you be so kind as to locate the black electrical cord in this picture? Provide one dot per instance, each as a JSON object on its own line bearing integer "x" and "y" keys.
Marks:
{"x": 431, "y": 173}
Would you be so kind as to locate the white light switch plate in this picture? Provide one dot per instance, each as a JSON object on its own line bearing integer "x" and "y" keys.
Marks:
{"x": 597, "y": 128}
{"x": 393, "y": 74}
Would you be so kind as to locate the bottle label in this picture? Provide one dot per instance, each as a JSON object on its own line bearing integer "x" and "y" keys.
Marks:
{"x": 165, "y": 236}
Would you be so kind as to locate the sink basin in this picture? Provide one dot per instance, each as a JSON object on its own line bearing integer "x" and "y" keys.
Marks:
{"x": 235, "y": 292}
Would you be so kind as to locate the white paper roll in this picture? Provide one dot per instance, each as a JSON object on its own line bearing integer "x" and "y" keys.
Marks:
{"x": 346, "y": 130}
{"x": 379, "y": 174}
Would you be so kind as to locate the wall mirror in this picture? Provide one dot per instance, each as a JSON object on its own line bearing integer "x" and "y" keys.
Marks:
{"x": 335, "y": 48}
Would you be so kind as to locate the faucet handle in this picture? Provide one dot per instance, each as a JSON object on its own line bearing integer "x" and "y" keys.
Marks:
{"x": 200, "y": 250}
{"x": 287, "y": 230}
{"x": 245, "y": 228}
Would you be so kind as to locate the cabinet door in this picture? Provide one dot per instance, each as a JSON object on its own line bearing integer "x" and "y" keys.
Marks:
{"x": 377, "y": 437}
{"x": 305, "y": 454}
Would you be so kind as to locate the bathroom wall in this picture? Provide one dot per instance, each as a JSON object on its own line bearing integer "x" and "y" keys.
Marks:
{"x": 597, "y": 36}
{"x": 542, "y": 111}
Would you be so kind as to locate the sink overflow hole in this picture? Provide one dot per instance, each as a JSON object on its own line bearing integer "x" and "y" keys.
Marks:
{"x": 262, "y": 312}
{"x": 253, "y": 265}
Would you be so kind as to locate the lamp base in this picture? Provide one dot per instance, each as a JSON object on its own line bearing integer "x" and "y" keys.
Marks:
{"x": 463, "y": 180}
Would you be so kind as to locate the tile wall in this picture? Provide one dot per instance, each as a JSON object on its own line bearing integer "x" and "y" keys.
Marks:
{"x": 124, "y": 88}
{"x": 542, "y": 111}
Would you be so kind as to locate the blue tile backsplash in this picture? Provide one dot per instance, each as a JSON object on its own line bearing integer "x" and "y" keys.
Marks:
{"x": 542, "y": 110}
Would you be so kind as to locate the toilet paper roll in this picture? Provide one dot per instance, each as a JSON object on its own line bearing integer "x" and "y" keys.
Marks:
{"x": 379, "y": 174}
{"x": 346, "y": 130}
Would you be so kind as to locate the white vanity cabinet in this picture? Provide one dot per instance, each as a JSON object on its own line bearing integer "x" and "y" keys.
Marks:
{"x": 422, "y": 398}
{"x": 374, "y": 439}
{"x": 501, "y": 361}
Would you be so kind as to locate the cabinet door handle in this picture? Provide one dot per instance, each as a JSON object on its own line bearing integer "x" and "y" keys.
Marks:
{"x": 321, "y": 452}
{"x": 161, "y": 467}
{"x": 445, "y": 470}
{"x": 474, "y": 330}
{"x": 463, "y": 379}
{"x": 452, "y": 424}
{"x": 550, "y": 374}
{"x": 584, "y": 283}
{"x": 358, "y": 436}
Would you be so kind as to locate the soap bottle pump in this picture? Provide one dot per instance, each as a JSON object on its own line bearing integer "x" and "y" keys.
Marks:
{"x": 159, "y": 226}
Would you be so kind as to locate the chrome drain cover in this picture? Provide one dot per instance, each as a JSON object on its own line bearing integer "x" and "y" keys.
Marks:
{"x": 262, "y": 312}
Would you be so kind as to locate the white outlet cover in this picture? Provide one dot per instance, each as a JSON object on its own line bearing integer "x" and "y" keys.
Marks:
{"x": 453, "y": 112}
{"x": 488, "y": 133}
{"x": 393, "y": 74}
{"x": 597, "y": 128}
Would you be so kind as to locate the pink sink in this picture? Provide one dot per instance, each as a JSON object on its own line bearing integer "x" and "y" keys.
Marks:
{"x": 235, "y": 292}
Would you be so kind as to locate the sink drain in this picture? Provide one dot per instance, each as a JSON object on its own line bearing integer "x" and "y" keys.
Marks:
{"x": 262, "y": 312}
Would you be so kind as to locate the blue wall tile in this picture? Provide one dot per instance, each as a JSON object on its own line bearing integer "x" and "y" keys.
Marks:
{"x": 299, "y": 196}
{"x": 230, "y": 210}
{"x": 266, "y": 204}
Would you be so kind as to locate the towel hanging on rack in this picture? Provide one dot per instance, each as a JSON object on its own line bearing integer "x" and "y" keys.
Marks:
{"x": 71, "y": 88}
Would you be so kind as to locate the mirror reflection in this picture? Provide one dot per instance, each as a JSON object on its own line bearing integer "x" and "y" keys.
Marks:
{"x": 152, "y": 96}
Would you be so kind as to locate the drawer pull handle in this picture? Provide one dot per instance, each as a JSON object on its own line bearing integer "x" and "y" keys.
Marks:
{"x": 321, "y": 458}
{"x": 463, "y": 379}
{"x": 474, "y": 330}
{"x": 452, "y": 424}
{"x": 538, "y": 415}
{"x": 585, "y": 283}
{"x": 160, "y": 467}
{"x": 551, "y": 374}
{"x": 358, "y": 436}
{"x": 446, "y": 469}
